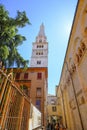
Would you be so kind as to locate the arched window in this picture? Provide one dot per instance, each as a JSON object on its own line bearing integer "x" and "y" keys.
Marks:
{"x": 38, "y": 62}
{"x": 83, "y": 47}
{"x": 40, "y": 40}
{"x": 79, "y": 52}
{"x": 85, "y": 31}
{"x": 77, "y": 58}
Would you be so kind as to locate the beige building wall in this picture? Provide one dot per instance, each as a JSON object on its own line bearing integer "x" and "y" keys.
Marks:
{"x": 52, "y": 109}
{"x": 36, "y": 81}
{"x": 73, "y": 80}
{"x": 41, "y": 95}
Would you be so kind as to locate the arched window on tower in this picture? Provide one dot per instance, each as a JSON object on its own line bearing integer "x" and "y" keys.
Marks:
{"x": 38, "y": 62}
{"x": 40, "y": 40}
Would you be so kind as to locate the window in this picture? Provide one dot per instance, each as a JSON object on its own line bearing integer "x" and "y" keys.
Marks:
{"x": 54, "y": 108}
{"x": 18, "y": 76}
{"x": 40, "y": 40}
{"x": 52, "y": 101}
{"x": 26, "y": 76}
{"x": 25, "y": 89}
{"x": 38, "y": 92}
{"x": 40, "y": 46}
{"x": 41, "y": 53}
{"x": 38, "y": 62}
{"x": 38, "y": 104}
{"x": 39, "y": 75}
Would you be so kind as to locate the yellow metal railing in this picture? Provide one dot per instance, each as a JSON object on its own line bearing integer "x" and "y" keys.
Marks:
{"x": 14, "y": 104}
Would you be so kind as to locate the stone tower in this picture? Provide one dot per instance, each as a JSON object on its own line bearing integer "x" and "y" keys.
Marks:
{"x": 39, "y": 56}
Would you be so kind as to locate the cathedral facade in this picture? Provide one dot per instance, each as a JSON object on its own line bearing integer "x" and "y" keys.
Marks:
{"x": 72, "y": 89}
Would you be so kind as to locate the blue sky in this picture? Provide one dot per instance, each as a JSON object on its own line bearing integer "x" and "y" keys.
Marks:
{"x": 57, "y": 16}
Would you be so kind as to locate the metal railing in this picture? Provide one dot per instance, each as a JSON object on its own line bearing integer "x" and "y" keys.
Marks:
{"x": 14, "y": 104}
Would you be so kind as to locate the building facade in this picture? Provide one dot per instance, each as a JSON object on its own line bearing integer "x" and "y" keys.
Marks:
{"x": 52, "y": 109}
{"x": 72, "y": 89}
{"x": 39, "y": 63}
{"x": 34, "y": 80}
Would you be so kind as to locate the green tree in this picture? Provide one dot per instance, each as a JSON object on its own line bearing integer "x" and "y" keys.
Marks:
{"x": 10, "y": 39}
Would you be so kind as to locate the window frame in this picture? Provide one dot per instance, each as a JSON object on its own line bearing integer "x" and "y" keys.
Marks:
{"x": 39, "y": 62}
{"x": 26, "y": 75}
{"x": 37, "y": 91}
{"x": 54, "y": 108}
{"x": 39, "y": 75}
{"x": 38, "y": 103}
{"x": 18, "y": 76}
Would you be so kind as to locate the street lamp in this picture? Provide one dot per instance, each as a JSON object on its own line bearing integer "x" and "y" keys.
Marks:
{"x": 75, "y": 96}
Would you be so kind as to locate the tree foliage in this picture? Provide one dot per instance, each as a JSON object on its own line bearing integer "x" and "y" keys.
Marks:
{"x": 10, "y": 39}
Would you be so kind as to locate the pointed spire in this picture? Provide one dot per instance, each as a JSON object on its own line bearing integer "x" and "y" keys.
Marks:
{"x": 41, "y": 35}
{"x": 41, "y": 31}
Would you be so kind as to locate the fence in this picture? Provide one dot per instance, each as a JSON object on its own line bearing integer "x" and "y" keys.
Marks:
{"x": 14, "y": 104}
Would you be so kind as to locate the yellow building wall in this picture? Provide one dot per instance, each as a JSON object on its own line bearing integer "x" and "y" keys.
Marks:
{"x": 73, "y": 80}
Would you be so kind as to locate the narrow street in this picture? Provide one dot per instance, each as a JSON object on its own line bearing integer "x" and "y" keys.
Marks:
{"x": 25, "y": 101}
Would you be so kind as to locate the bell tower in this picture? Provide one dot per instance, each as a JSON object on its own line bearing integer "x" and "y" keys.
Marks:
{"x": 39, "y": 56}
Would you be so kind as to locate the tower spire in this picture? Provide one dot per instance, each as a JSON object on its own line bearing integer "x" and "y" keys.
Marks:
{"x": 41, "y": 35}
{"x": 41, "y": 31}
{"x": 39, "y": 56}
